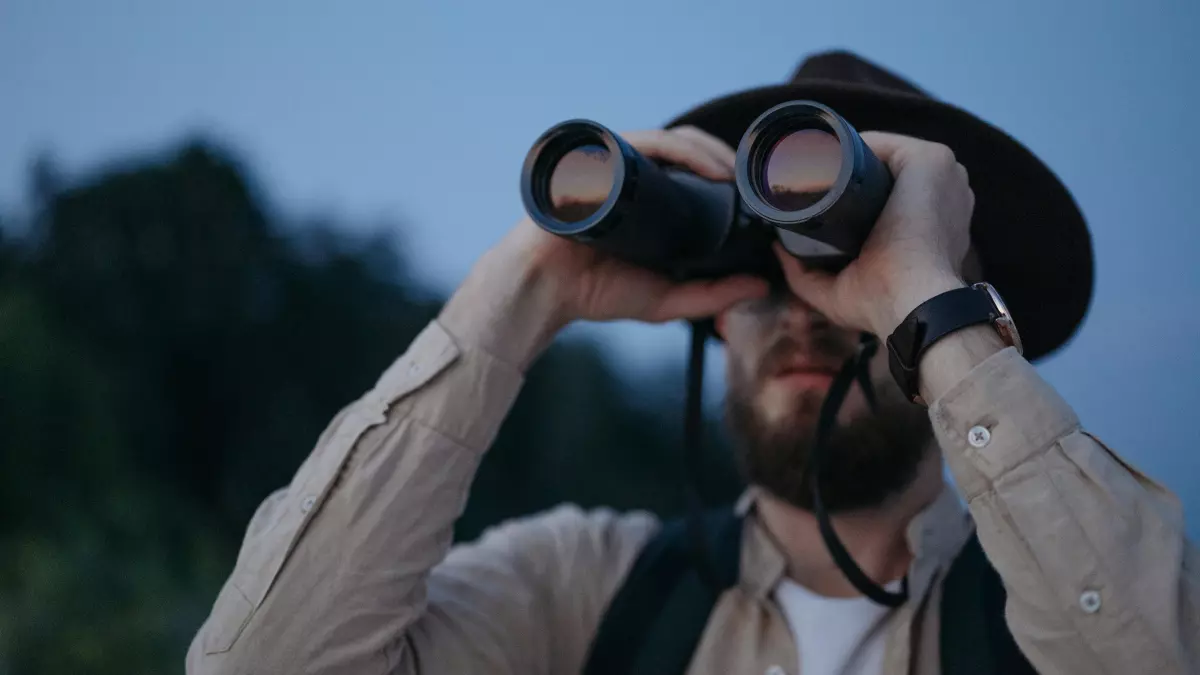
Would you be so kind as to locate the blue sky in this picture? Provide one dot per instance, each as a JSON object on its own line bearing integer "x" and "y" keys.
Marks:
{"x": 420, "y": 114}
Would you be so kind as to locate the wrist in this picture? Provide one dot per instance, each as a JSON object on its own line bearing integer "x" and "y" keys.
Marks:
{"x": 509, "y": 306}
{"x": 907, "y": 296}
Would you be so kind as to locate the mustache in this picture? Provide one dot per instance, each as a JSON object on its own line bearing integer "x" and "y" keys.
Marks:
{"x": 821, "y": 350}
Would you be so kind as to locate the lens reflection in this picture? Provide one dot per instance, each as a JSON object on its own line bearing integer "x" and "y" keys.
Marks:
{"x": 581, "y": 182}
{"x": 801, "y": 168}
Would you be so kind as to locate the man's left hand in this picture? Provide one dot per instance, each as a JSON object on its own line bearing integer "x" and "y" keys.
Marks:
{"x": 915, "y": 251}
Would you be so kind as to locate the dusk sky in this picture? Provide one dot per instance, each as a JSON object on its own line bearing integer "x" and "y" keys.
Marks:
{"x": 584, "y": 174}
{"x": 807, "y": 160}
{"x": 381, "y": 112}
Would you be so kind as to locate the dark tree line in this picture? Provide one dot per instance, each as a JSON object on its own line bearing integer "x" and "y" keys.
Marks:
{"x": 170, "y": 349}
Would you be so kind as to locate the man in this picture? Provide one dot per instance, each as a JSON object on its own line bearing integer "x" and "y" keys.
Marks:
{"x": 350, "y": 569}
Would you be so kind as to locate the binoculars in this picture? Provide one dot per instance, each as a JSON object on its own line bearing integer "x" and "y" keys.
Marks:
{"x": 803, "y": 176}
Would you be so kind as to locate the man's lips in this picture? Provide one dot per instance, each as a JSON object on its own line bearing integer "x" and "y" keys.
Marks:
{"x": 806, "y": 367}
{"x": 805, "y": 376}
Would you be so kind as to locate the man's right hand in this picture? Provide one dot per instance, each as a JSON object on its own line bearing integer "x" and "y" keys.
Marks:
{"x": 541, "y": 282}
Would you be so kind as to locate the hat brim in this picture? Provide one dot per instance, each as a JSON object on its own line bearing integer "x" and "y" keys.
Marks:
{"x": 1029, "y": 233}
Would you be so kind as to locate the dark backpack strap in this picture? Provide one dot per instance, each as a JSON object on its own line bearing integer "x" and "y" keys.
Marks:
{"x": 654, "y": 622}
{"x": 975, "y": 639}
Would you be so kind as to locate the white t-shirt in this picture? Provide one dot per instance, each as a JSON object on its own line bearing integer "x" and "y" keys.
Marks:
{"x": 834, "y": 636}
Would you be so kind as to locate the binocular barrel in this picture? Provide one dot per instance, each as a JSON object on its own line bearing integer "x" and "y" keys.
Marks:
{"x": 584, "y": 182}
{"x": 803, "y": 176}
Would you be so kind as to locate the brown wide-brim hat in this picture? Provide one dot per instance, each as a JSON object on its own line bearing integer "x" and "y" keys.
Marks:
{"x": 1030, "y": 235}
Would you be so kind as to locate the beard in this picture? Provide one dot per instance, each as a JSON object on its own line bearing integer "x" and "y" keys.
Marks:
{"x": 868, "y": 459}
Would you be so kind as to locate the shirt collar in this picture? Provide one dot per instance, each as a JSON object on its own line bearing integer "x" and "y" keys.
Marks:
{"x": 935, "y": 536}
{"x": 762, "y": 561}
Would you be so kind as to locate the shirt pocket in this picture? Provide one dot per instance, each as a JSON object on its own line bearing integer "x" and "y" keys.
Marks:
{"x": 231, "y": 613}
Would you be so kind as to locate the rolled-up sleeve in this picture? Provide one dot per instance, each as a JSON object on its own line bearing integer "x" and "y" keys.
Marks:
{"x": 1100, "y": 575}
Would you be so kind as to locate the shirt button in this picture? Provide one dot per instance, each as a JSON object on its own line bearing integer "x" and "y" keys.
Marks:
{"x": 978, "y": 436}
{"x": 307, "y": 504}
{"x": 776, "y": 670}
{"x": 1089, "y": 601}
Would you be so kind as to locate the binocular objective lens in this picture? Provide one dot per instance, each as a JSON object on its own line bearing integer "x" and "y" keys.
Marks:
{"x": 580, "y": 183}
{"x": 801, "y": 168}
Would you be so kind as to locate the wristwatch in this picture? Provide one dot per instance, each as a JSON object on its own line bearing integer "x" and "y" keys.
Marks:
{"x": 936, "y": 318}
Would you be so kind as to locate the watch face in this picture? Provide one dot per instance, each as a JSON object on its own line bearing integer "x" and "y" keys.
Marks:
{"x": 1004, "y": 322}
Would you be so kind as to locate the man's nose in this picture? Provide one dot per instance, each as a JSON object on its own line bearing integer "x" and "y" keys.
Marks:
{"x": 798, "y": 316}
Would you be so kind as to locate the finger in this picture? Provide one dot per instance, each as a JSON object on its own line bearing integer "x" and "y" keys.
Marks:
{"x": 813, "y": 287}
{"x": 716, "y": 147}
{"x": 681, "y": 150}
{"x": 887, "y": 145}
{"x": 701, "y": 299}
{"x": 963, "y": 173}
{"x": 897, "y": 150}
{"x": 712, "y": 147}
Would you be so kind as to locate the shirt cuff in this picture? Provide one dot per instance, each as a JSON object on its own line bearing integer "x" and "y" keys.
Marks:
{"x": 996, "y": 418}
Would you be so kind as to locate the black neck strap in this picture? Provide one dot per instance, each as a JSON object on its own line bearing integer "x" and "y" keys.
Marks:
{"x": 693, "y": 458}
{"x": 857, "y": 368}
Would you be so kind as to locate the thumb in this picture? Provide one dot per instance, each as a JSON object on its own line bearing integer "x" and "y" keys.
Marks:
{"x": 814, "y": 287}
{"x": 701, "y": 299}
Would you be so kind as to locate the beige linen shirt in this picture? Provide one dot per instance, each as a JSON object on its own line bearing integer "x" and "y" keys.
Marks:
{"x": 351, "y": 569}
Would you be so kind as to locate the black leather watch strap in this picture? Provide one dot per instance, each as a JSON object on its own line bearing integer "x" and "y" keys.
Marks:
{"x": 929, "y": 322}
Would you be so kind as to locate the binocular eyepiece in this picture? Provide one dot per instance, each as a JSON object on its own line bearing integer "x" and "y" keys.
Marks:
{"x": 803, "y": 176}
